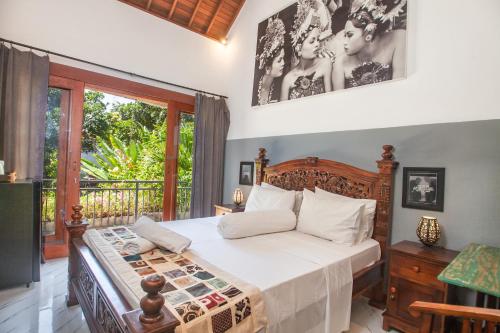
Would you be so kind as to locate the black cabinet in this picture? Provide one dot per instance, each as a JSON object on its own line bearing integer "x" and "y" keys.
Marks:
{"x": 20, "y": 233}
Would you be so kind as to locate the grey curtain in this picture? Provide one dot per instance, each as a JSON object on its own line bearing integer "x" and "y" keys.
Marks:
{"x": 211, "y": 127}
{"x": 24, "y": 80}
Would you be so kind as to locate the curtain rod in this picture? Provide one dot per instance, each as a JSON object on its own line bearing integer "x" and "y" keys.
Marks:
{"x": 108, "y": 67}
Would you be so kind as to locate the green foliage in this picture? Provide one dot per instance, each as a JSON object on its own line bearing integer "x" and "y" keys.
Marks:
{"x": 96, "y": 120}
{"x": 126, "y": 141}
{"x": 129, "y": 120}
{"x": 186, "y": 146}
{"x": 52, "y": 119}
{"x": 113, "y": 161}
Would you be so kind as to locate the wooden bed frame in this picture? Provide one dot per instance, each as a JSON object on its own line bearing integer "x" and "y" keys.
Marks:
{"x": 107, "y": 311}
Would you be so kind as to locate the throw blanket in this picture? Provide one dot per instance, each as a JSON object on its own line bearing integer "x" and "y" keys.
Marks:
{"x": 202, "y": 297}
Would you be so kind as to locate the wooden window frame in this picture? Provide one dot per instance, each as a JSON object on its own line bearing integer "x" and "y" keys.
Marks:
{"x": 77, "y": 80}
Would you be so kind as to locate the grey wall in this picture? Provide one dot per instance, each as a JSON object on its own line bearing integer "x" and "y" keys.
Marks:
{"x": 469, "y": 151}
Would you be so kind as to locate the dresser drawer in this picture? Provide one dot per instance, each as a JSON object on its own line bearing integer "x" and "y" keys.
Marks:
{"x": 416, "y": 270}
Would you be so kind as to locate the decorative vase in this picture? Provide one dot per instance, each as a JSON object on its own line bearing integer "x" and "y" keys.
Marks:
{"x": 12, "y": 177}
{"x": 237, "y": 197}
{"x": 428, "y": 230}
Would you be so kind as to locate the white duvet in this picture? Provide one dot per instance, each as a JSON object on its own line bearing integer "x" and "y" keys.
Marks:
{"x": 306, "y": 281}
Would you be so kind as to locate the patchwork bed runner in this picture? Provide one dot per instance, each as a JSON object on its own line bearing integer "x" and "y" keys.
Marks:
{"x": 201, "y": 296}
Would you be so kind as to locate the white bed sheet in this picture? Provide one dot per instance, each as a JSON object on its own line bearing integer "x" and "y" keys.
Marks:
{"x": 306, "y": 281}
{"x": 292, "y": 269}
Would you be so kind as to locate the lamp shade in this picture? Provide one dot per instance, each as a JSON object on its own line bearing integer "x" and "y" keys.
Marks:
{"x": 238, "y": 197}
{"x": 428, "y": 230}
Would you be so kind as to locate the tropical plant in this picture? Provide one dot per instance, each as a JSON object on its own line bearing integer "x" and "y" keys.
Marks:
{"x": 113, "y": 161}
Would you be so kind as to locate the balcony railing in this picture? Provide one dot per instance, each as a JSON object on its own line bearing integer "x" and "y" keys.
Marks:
{"x": 115, "y": 202}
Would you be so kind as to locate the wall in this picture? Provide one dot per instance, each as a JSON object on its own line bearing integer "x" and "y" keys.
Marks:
{"x": 469, "y": 152}
{"x": 453, "y": 52}
{"x": 112, "y": 33}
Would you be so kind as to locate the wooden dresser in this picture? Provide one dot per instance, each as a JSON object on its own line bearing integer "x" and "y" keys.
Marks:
{"x": 413, "y": 275}
{"x": 228, "y": 209}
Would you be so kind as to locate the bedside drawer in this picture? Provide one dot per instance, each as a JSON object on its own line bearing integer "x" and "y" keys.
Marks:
{"x": 416, "y": 270}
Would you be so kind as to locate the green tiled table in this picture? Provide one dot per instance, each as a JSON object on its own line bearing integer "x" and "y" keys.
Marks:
{"x": 477, "y": 268}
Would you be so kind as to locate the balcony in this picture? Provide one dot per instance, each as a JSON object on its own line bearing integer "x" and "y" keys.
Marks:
{"x": 115, "y": 202}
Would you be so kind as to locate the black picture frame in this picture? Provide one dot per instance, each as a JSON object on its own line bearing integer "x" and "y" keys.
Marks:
{"x": 246, "y": 173}
{"x": 423, "y": 188}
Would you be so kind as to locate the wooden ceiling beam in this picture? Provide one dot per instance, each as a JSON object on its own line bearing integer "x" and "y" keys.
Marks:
{"x": 191, "y": 19}
{"x": 172, "y": 9}
{"x": 238, "y": 9}
{"x": 148, "y": 6}
{"x": 212, "y": 21}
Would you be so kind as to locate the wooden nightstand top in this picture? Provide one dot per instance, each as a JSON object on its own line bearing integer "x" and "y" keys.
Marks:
{"x": 419, "y": 250}
{"x": 229, "y": 208}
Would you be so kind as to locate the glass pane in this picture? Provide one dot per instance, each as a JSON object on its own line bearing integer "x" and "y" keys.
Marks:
{"x": 57, "y": 105}
{"x": 185, "y": 165}
{"x": 123, "y": 158}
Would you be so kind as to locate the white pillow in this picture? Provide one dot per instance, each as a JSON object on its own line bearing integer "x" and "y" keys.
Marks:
{"x": 239, "y": 225}
{"x": 335, "y": 220}
{"x": 266, "y": 199}
{"x": 298, "y": 196}
{"x": 366, "y": 226}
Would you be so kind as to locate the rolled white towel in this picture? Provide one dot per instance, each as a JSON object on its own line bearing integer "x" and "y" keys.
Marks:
{"x": 138, "y": 245}
{"x": 160, "y": 236}
{"x": 247, "y": 224}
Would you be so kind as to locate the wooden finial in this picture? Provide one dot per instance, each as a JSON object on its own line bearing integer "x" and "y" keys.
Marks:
{"x": 262, "y": 153}
{"x": 152, "y": 303}
{"x": 76, "y": 217}
{"x": 260, "y": 164}
{"x": 387, "y": 154}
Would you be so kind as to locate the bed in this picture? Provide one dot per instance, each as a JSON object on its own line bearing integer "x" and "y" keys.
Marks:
{"x": 295, "y": 256}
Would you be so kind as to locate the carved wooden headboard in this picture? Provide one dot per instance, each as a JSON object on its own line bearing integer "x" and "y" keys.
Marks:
{"x": 338, "y": 178}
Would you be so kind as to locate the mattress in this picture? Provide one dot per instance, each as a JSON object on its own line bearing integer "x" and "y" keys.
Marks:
{"x": 306, "y": 281}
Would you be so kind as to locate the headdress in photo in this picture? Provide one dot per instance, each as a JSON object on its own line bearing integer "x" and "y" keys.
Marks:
{"x": 306, "y": 19}
{"x": 273, "y": 41}
{"x": 380, "y": 14}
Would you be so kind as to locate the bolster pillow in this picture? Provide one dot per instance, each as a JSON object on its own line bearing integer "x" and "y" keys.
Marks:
{"x": 138, "y": 245}
{"x": 247, "y": 224}
{"x": 162, "y": 237}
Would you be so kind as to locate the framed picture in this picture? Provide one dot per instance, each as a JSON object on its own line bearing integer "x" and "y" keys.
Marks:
{"x": 314, "y": 47}
{"x": 246, "y": 173}
{"x": 423, "y": 188}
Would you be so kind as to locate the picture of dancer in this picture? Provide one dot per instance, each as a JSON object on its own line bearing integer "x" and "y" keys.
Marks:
{"x": 317, "y": 46}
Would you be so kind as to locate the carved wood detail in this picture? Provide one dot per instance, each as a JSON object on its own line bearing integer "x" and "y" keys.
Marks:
{"x": 298, "y": 179}
{"x": 105, "y": 317}
{"x": 87, "y": 284}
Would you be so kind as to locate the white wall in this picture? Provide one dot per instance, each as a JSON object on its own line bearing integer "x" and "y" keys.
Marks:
{"x": 453, "y": 71}
{"x": 112, "y": 33}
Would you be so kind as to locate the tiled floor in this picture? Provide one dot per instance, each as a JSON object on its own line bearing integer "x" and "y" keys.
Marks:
{"x": 42, "y": 308}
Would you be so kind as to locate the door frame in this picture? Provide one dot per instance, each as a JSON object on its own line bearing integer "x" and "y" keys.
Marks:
{"x": 68, "y": 167}
{"x": 62, "y": 76}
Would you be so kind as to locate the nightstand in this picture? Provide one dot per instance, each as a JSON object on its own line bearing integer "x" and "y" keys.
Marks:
{"x": 413, "y": 275}
{"x": 228, "y": 209}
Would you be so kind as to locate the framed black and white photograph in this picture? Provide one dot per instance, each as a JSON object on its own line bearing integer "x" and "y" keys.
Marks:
{"x": 246, "y": 173}
{"x": 314, "y": 47}
{"x": 423, "y": 188}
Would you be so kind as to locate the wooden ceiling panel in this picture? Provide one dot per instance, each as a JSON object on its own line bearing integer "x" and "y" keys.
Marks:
{"x": 211, "y": 18}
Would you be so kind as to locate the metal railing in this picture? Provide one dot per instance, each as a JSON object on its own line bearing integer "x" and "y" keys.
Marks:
{"x": 116, "y": 202}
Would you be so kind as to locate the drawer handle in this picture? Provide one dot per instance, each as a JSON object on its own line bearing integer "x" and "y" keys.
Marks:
{"x": 392, "y": 296}
{"x": 416, "y": 269}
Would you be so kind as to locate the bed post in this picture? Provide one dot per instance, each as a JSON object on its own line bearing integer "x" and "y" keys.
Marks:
{"x": 76, "y": 228}
{"x": 152, "y": 316}
{"x": 384, "y": 192}
{"x": 260, "y": 164}
{"x": 382, "y": 232}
